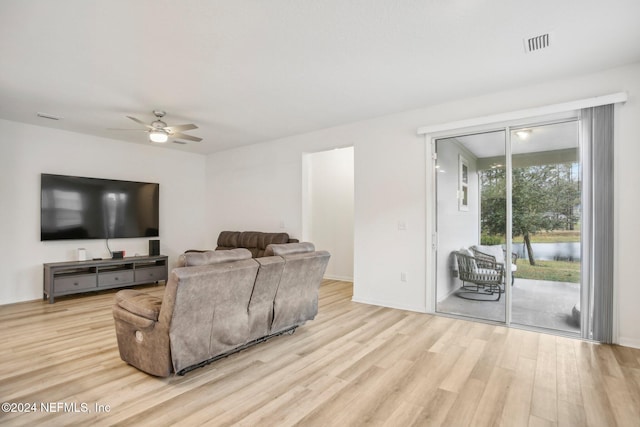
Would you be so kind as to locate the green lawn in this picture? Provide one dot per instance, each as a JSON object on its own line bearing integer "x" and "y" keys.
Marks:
{"x": 556, "y": 271}
{"x": 557, "y": 236}
{"x": 552, "y": 237}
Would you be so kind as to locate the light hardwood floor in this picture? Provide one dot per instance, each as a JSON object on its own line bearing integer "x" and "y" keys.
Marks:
{"x": 354, "y": 364}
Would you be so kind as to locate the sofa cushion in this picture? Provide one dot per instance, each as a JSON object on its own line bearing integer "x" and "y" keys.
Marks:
{"x": 266, "y": 239}
{"x": 139, "y": 303}
{"x": 289, "y": 248}
{"x": 297, "y": 298}
{"x": 255, "y": 241}
{"x": 212, "y": 257}
{"x": 229, "y": 239}
{"x": 248, "y": 239}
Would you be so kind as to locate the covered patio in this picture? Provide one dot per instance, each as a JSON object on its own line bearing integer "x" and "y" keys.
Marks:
{"x": 537, "y": 303}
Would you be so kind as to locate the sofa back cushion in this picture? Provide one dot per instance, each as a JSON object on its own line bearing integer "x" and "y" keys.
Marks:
{"x": 255, "y": 241}
{"x": 264, "y": 293}
{"x": 296, "y": 300}
{"x": 228, "y": 240}
{"x": 289, "y": 248}
{"x": 266, "y": 239}
{"x": 210, "y": 310}
{"x": 191, "y": 259}
{"x": 249, "y": 240}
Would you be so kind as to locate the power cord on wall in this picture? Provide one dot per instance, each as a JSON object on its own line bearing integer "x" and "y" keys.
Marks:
{"x": 109, "y": 249}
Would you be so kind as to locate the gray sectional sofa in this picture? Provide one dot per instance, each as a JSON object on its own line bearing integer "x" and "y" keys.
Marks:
{"x": 217, "y": 303}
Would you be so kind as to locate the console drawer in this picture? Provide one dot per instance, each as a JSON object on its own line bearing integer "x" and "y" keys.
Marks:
{"x": 73, "y": 283}
{"x": 115, "y": 278}
{"x": 150, "y": 274}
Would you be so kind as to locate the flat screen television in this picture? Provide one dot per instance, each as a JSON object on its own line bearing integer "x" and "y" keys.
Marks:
{"x": 73, "y": 207}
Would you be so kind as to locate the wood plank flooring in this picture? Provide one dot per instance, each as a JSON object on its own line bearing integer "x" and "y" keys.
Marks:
{"x": 354, "y": 364}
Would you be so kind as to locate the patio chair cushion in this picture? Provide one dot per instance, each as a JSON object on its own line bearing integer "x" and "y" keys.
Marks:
{"x": 466, "y": 251}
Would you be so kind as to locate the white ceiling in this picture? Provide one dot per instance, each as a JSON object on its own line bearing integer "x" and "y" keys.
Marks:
{"x": 251, "y": 71}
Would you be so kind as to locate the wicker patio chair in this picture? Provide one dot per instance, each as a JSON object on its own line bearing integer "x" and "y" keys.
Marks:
{"x": 485, "y": 260}
{"x": 480, "y": 276}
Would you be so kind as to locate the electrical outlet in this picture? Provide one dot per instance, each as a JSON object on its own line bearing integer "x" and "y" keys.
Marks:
{"x": 403, "y": 277}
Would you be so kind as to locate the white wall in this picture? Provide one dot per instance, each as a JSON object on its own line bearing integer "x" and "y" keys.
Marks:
{"x": 26, "y": 151}
{"x": 250, "y": 189}
{"x": 260, "y": 187}
{"x": 456, "y": 228}
{"x": 328, "y": 208}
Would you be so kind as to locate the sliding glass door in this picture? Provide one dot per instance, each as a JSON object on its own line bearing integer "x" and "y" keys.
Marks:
{"x": 470, "y": 183}
{"x": 547, "y": 217}
{"x": 508, "y": 222}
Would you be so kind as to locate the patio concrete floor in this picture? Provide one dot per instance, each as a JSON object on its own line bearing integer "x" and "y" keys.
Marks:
{"x": 536, "y": 303}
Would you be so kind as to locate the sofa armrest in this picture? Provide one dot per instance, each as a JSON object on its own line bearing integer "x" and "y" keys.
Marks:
{"x": 139, "y": 303}
{"x": 139, "y": 322}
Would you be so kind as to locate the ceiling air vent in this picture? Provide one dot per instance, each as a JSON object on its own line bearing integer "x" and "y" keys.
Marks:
{"x": 48, "y": 116}
{"x": 536, "y": 43}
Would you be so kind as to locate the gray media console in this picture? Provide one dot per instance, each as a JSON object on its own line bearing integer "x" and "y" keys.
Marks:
{"x": 74, "y": 277}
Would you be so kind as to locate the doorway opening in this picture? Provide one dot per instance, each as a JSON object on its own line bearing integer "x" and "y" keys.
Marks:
{"x": 328, "y": 207}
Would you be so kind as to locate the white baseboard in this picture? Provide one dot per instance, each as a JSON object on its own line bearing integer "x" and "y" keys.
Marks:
{"x": 420, "y": 309}
{"x": 629, "y": 342}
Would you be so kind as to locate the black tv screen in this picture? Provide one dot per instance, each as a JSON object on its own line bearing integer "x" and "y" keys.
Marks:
{"x": 74, "y": 207}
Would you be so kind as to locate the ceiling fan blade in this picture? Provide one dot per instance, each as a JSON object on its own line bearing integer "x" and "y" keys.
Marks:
{"x": 134, "y": 130}
{"x": 180, "y": 128}
{"x": 140, "y": 122}
{"x": 187, "y": 137}
{"x": 179, "y": 142}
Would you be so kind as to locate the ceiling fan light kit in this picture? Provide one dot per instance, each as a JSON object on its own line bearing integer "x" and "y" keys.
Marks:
{"x": 158, "y": 136}
{"x": 160, "y": 132}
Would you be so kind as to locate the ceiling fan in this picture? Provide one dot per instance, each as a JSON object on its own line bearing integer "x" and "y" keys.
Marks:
{"x": 159, "y": 131}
